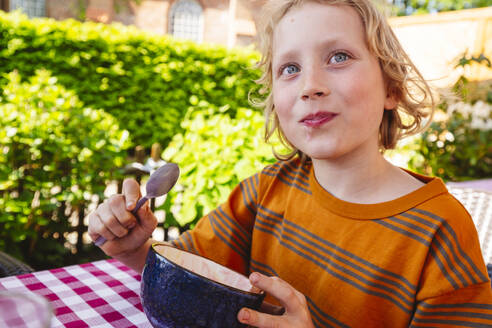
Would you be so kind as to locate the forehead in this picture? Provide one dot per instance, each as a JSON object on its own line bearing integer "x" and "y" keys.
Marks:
{"x": 313, "y": 22}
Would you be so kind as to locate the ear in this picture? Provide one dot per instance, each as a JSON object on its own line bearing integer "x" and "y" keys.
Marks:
{"x": 390, "y": 102}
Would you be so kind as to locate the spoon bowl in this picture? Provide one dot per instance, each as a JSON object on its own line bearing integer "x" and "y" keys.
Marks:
{"x": 159, "y": 184}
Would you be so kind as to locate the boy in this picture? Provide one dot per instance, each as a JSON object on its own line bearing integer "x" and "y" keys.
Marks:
{"x": 333, "y": 232}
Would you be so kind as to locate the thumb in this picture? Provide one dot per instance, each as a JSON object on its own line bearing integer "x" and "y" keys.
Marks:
{"x": 131, "y": 191}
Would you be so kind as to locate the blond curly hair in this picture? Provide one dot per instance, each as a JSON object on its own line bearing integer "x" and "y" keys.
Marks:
{"x": 416, "y": 100}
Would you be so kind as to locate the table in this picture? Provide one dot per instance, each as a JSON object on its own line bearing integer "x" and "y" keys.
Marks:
{"x": 97, "y": 294}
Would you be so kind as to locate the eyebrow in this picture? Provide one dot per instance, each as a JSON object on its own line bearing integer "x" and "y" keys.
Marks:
{"x": 292, "y": 54}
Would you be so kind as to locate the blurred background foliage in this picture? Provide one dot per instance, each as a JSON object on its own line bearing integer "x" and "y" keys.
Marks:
{"x": 146, "y": 82}
{"x": 416, "y": 7}
{"x": 78, "y": 97}
{"x": 458, "y": 144}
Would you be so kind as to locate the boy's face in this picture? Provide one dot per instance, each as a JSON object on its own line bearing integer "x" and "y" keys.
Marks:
{"x": 328, "y": 89}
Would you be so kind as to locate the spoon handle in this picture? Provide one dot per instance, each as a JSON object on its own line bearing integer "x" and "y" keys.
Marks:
{"x": 140, "y": 202}
{"x": 101, "y": 240}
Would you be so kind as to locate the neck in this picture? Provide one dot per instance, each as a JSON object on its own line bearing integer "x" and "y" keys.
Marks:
{"x": 353, "y": 178}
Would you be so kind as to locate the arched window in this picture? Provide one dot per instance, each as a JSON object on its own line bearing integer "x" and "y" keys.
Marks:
{"x": 33, "y": 8}
{"x": 186, "y": 20}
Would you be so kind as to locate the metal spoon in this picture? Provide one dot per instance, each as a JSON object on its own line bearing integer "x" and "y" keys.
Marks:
{"x": 159, "y": 184}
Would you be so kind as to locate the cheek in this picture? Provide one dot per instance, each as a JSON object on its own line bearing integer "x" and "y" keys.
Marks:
{"x": 283, "y": 103}
{"x": 368, "y": 95}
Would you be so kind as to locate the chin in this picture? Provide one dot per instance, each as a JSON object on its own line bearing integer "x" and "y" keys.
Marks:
{"x": 326, "y": 148}
{"x": 324, "y": 154}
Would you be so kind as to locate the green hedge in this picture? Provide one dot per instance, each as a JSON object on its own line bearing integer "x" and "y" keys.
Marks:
{"x": 56, "y": 154}
{"x": 147, "y": 82}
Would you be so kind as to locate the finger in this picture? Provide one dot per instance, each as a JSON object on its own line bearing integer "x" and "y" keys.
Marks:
{"x": 258, "y": 319}
{"x": 145, "y": 227}
{"x": 109, "y": 219}
{"x": 288, "y": 297}
{"x": 120, "y": 212}
{"x": 148, "y": 221}
{"x": 131, "y": 191}
{"x": 91, "y": 229}
{"x": 98, "y": 228}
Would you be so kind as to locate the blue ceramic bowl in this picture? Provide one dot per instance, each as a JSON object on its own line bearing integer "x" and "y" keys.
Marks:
{"x": 180, "y": 289}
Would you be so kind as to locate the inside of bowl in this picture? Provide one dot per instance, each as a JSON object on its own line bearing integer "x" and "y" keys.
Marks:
{"x": 206, "y": 268}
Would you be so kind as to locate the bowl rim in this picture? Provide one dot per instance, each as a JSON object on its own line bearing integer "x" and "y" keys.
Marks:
{"x": 261, "y": 292}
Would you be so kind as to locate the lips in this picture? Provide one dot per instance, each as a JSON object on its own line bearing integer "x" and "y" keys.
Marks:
{"x": 317, "y": 119}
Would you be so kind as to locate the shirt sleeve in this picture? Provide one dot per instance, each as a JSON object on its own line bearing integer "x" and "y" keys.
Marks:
{"x": 464, "y": 307}
{"x": 224, "y": 235}
{"x": 454, "y": 289}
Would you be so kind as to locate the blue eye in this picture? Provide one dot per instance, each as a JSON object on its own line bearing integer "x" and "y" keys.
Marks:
{"x": 289, "y": 69}
{"x": 339, "y": 57}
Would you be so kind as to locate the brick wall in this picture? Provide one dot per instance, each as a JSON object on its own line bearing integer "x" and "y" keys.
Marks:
{"x": 64, "y": 10}
{"x": 152, "y": 15}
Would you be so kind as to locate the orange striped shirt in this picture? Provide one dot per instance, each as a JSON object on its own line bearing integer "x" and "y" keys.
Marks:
{"x": 413, "y": 261}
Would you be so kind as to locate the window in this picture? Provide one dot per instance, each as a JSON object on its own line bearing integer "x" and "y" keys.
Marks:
{"x": 186, "y": 20}
{"x": 33, "y": 8}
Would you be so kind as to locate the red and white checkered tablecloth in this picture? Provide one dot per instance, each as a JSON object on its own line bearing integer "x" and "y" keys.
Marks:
{"x": 96, "y": 295}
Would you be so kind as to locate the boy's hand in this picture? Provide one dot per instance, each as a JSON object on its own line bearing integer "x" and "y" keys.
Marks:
{"x": 296, "y": 310}
{"x": 114, "y": 221}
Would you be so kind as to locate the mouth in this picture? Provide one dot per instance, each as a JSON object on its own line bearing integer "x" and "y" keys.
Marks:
{"x": 317, "y": 119}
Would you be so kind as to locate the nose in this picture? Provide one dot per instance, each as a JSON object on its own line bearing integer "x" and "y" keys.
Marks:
{"x": 314, "y": 86}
